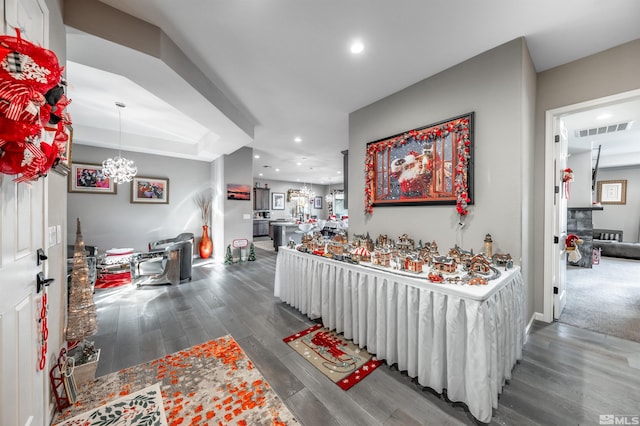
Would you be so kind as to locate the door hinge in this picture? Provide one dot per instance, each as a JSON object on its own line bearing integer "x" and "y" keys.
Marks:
{"x": 556, "y": 239}
{"x": 556, "y": 189}
{"x": 556, "y": 138}
{"x": 555, "y": 290}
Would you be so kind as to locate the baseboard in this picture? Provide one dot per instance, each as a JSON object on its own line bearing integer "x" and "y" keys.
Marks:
{"x": 528, "y": 328}
{"x": 535, "y": 317}
{"x": 529, "y": 324}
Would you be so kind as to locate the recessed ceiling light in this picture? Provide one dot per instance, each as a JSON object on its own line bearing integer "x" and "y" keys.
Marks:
{"x": 298, "y": 139}
{"x": 339, "y": 172}
{"x": 260, "y": 174}
{"x": 604, "y": 116}
{"x": 357, "y": 47}
{"x": 298, "y": 180}
{"x": 256, "y": 156}
{"x": 277, "y": 170}
{"x": 299, "y": 163}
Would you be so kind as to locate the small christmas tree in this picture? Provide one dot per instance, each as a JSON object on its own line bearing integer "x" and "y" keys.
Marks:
{"x": 81, "y": 320}
{"x": 252, "y": 253}
{"x": 228, "y": 258}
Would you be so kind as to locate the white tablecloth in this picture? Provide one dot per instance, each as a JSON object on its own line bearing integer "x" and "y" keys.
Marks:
{"x": 465, "y": 339}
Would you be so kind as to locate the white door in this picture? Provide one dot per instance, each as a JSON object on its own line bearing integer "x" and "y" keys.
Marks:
{"x": 559, "y": 277}
{"x": 24, "y": 387}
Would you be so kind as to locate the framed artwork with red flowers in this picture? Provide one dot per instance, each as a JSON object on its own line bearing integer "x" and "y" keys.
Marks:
{"x": 90, "y": 178}
{"x": 428, "y": 165}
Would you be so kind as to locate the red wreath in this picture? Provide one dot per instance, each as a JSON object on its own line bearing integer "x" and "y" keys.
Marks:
{"x": 39, "y": 68}
{"x": 32, "y": 101}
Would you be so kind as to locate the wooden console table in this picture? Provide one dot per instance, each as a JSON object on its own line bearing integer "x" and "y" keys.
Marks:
{"x": 465, "y": 339}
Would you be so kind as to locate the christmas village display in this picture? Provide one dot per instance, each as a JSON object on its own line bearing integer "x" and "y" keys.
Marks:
{"x": 404, "y": 256}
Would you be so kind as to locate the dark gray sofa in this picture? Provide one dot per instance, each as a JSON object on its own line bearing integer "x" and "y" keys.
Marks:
{"x": 609, "y": 241}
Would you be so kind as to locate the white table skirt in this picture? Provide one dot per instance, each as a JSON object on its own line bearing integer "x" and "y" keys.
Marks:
{"x": 465, "y": 339}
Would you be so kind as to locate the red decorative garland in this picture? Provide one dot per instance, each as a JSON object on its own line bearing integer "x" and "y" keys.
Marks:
{"x": 44, "y": 333}
{"x": 461, "y": 127}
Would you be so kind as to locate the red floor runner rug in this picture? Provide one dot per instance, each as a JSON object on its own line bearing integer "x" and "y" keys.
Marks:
{"x": 113, "y": 280}
{"x": 336, "y": 357}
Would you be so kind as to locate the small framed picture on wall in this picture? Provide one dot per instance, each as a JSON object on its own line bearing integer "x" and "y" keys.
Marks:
{"x": 238, "y": 192}
{"x": 317, "y": 203}
{"x": 150, "y": 190}
{"x": 89, "y": 178}
{"x": 612, "y": 191}
{"x": 277, "y": 201}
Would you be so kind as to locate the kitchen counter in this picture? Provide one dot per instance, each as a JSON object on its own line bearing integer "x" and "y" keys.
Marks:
{"x": 273, "y": 221}
{"x": 283, "y": 232}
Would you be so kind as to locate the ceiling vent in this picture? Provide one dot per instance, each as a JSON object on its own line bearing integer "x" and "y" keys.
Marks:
{"x": 594, "y": 131}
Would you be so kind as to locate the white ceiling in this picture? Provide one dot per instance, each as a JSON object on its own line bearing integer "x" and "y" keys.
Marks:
{"x": 618, "y": 148}
{"x": 286, "y": 64}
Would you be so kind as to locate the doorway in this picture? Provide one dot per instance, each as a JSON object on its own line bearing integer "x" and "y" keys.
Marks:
{"x": 555, "y": 280}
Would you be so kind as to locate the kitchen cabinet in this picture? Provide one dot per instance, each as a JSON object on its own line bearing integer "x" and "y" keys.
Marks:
{"x": 261, "y": 199}
{"x": 260, "y": 228}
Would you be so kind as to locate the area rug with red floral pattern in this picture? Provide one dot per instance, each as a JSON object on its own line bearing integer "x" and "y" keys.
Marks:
{"x": 335, "y": 356}
{"x": 214, "y": 383}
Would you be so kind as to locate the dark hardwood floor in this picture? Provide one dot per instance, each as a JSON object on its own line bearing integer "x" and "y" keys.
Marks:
{"x": 568, "y": 376}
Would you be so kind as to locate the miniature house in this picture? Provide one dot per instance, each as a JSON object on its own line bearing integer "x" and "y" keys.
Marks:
{"x": 444, "y": 264}
{"x": 413, "y": 264}
{"x": 405, "y": 243}
{"x": 480, "y": 265}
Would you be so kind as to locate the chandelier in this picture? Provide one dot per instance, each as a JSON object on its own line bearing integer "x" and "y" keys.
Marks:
{"x": 306, "y": 191}
{"x": 118, "y": 168}
{"x": 329, "y": 197}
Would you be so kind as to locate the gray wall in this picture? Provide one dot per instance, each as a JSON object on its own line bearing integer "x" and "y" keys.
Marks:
{"x": 233, "y": 218}
{"x": 499, "y": 85}
{"x": 528, "y": 102}
{"x": 624, "y": 216}
{"x": 580, "y": 188}
{"x": 112, "y": 221}
{"x": 607, "y": 73}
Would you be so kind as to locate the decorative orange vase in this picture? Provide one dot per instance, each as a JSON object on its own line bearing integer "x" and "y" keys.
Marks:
{"x": 206, "y": 245}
